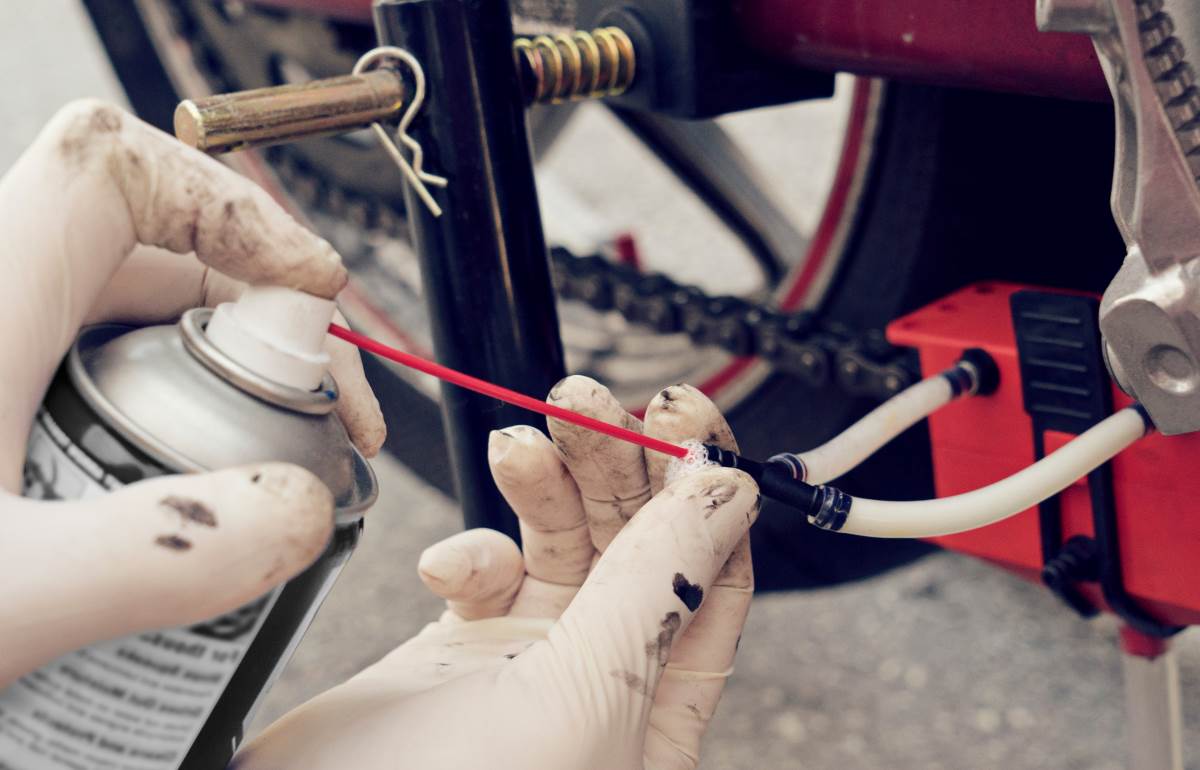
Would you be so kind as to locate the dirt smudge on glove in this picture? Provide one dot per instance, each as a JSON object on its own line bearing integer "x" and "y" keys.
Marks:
{"x": 719, "y": 495}
{"x": 556, "y": 391}
{"x": 190, "y": 511}
{"x": 632, "y": 681}
{"x": 173, "y": 542}
{"x": 83, "y": 134}
{"x": 659, "y": 648}
{"x": 688, "y": 592}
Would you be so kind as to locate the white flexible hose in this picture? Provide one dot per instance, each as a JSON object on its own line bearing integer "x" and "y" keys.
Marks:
{"x": 845, "y": 451}
{"x": 971, "y": 510}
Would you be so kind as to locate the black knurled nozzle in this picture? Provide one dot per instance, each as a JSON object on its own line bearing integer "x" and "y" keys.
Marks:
{"x": 826, "y": 507}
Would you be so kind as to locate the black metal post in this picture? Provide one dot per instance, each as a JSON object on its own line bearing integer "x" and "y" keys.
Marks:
{"x": 484, "y": 265}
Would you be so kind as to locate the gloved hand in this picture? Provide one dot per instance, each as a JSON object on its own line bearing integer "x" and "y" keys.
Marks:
{"x": 105, "y": 218}
{"x": 604, "y": 647}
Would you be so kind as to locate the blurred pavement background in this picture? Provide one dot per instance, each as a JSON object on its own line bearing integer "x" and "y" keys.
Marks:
{"x": 944, "y": 664}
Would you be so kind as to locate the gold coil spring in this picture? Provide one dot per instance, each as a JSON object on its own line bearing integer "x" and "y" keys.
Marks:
{"x": 575, "y": 65}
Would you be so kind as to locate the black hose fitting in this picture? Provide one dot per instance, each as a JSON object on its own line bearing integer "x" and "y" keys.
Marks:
{"x": 982, "y": 370}
{"x": 1147, "y": 420}
{"x": 832, "y": 508}
{"x": 825, "y": 507}
{"x": 728, "y": 459}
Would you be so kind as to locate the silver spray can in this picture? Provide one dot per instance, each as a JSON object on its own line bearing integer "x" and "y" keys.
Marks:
{"x": 129, "y": 404}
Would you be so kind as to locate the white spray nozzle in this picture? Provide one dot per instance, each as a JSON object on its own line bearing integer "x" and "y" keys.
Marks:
{"x": 277, "y": 333}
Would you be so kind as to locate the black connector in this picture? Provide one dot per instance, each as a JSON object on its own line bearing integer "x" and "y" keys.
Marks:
{"x": 824, "y": 506}
{"x": 986, "y": 373}
{"x": 975, "y": 374}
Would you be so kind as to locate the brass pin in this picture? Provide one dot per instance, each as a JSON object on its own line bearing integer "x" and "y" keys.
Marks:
{"x": 265, "y": 116}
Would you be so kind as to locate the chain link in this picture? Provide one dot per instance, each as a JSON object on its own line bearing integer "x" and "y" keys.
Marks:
{"x": 819, "y": 353}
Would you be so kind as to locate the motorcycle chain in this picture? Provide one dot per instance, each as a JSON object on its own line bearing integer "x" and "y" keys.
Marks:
{"x": 817, "y": 351}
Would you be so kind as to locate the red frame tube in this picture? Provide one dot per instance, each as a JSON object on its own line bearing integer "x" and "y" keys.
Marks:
{"x": 348, "y": 10}
{"x": 991, "y": 44}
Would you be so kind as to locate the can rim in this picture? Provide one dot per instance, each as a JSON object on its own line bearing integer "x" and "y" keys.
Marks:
{"x": 195, "y": 341}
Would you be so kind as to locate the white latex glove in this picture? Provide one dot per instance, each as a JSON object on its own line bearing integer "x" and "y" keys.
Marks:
{"x": 605, "y": 647}
{"x": 105, "y": 218}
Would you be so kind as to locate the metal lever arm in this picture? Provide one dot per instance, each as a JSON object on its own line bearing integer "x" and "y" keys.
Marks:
{"x": 1150, "y": 315}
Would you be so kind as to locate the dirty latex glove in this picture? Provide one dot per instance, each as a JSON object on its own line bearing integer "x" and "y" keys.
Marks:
{"x": 105, "y": 218}
{"x": 604, "y": 647}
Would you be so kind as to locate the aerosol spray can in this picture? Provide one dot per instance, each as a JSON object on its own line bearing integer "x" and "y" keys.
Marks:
{"x": 129, "y": 404}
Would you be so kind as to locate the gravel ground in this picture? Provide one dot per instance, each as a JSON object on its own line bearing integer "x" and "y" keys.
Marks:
{"x": 946, "y": 663}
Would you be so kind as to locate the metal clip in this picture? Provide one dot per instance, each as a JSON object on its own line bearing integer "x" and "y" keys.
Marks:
{"x": 413, "y": 172}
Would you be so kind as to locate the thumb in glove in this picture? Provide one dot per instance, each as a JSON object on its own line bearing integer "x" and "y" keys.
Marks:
{"x": 164, "y": 552}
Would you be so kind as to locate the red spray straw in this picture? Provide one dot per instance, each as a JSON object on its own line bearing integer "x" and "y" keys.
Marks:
{"x": 504, "y": 394}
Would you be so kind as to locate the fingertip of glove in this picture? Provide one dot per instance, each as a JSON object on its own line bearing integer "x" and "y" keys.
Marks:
{"x": 680, "y": 412}
{"x": 368, "y": 430}
{"x": 443, "y": 568}
{"x": 302, "y": 504}
{"x": 580, "y": 392}
{"x": 330, "y": 261}
{"x": 720, "y": 489}
{"x": 586, "y": 396}
{"x": 81, "y": 123}
{"x": 506, "y": 444}
{"x": 671, "y": 397}
{"x": 468, "y": 562}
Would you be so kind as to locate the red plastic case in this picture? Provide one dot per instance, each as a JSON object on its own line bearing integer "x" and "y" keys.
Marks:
{"x": 979, "y": 440}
